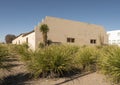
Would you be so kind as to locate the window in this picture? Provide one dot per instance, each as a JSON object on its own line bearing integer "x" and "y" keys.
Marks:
{"x": 19, "y": 41}
{"x": 93, "y": 41}
{"x": 113, "y": 41}
{"x": 27, "y": 40}
{"x": 118, "y": 42}
{"x": 71, "y": 40}
{"x": 68, "y": 39}
{"x": 118, "y": 33}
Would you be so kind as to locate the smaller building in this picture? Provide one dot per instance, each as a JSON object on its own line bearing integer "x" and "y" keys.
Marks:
{"x": 114, "y": 37}
{"x": 26, "y": 38}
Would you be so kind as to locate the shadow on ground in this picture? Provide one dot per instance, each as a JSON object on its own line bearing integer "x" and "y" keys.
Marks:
{"x": 11, "y": 59}
{"x": 18, "y": 79}
{"x": 12, "y": 65}
{"x": 74, "y": 77}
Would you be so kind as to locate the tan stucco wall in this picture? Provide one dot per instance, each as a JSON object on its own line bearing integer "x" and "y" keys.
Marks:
{"x": 38, "y": 36}
{"x": 60, "y": 29}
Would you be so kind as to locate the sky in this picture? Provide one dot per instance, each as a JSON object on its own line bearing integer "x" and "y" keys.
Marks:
{"x": 19, "y": 16}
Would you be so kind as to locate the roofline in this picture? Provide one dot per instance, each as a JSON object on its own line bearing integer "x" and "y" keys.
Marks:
{"x": 28, "y": 33}
{"x": 74, "y": 21}
{"x": 25, "y": 34}
{"x": 114, "y": 31}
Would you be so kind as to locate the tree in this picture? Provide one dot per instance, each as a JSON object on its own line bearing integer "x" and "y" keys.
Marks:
{"x": 44, "y": 29}
{"x": 9, "y": 38}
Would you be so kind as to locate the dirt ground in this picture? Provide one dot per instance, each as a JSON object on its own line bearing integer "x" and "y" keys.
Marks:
{"x": 18, "y": 75}
{"x": 90, "y": 79}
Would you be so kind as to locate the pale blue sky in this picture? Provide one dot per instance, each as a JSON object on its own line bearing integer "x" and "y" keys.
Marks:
{"x": 18, "y": 16}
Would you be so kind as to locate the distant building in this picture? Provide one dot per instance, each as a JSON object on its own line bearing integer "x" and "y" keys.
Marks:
{"x": 26, "y": 38}
{"x": 114, "y": 37}
{"x": 65, "y": 31}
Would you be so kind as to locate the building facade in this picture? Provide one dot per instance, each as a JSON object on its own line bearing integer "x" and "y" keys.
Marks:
{"x": 69, "y": 32}
{"x": 26, "y": 38}
{"x": 114, "y": 37}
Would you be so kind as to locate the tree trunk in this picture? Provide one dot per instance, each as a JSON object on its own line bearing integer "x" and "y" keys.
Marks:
{"x": 45, "y": 39}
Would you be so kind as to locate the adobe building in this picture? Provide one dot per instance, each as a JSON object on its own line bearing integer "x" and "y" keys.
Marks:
{"x": 65, "y": 31}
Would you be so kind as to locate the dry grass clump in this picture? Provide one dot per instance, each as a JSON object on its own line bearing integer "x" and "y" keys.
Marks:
{"x": 53, "y": 61}
{"x": 3, "y": 55}
{"x": 59, "y": 60}
{"x": 109, "y": 62}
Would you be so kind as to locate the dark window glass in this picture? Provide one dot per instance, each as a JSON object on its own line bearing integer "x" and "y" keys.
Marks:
{"x": 70, "y": 40}
{"x": 93, "y": 41}
{"x": 27, "y": 40}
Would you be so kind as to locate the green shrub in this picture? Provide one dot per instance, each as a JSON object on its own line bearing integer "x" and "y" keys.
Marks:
{"x": 53, "y": 61}
{"x": 24, "y": 52}
{"x": 3, "y": 53}
{"x": 41, "y": 45}
{"x": 87, "y": 58}
{"x": 109, "y": 63}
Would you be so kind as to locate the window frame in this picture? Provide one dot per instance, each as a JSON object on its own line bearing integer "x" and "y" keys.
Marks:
{"x": 70, "y": 40}
{"x": 93, "y": 41}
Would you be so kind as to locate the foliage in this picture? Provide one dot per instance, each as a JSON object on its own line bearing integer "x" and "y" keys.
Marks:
{"x": 3, "y": 53}
{"x": 87, "y": 58}
{"x": 110, "y": 63}
{"x": 23, "y": 51}
{"x": 41, "y": 45}
{"x": 53, "y": 61}
{"x": 44, "y": 29}
{"x": 9, "y": 38}
{"x": 57, "y": 60}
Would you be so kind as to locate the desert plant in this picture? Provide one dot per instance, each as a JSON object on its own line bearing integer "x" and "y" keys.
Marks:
{"x": 23, "y": 51}
{"x": 3, "y": 53}
{"x": 44, "y": 29}
{"x": 41, "y": 45}
{"x": 53, "y": 61}
{"x": 109, "y": 63}
{"x": 87, "y": 57}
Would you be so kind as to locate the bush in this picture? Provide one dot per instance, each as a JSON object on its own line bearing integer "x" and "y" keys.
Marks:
{"x": 3, "y": 53}
{"x": 41, "y": 45}
{"x": 109, "y": 63}
{"x": 53, "y": 61}
{"x": 24, "y": 52}
{"x": 87, "y": 58}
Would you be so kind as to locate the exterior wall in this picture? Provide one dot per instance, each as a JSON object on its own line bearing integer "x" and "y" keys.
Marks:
{"x": 61, "y": 29}
{"x": 114, "y": 37}
{"x": 18, "y": 40}
{"x": 22, "y": 39}
{"x": 38, "y": 36}
{"x": 31, "y": 40}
